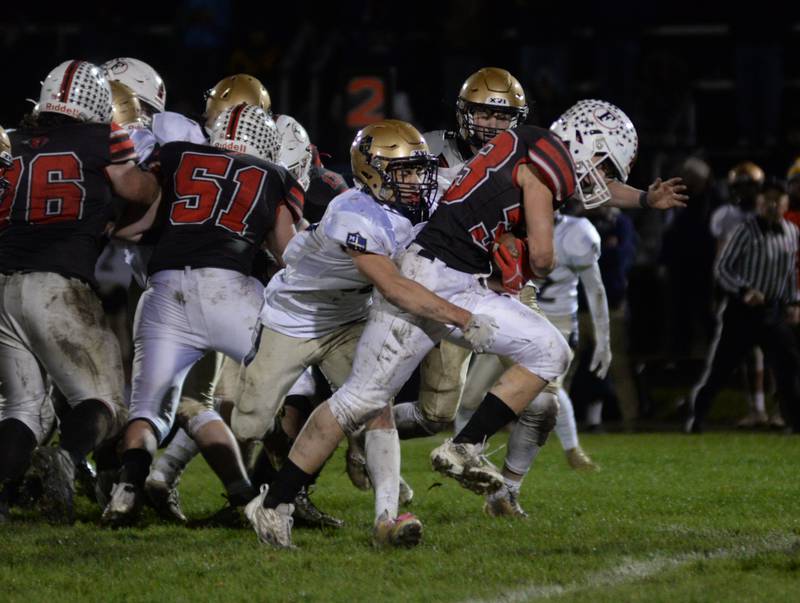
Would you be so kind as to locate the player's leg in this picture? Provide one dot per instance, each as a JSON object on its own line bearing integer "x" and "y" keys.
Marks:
{"x": 484, "y": 371}
{"x": 540, "y": 354}
{"x": 443, "y": 373}
{"x": 68, "y": 332}
{"x": 392, "y": 345}
{"x": 165, "y": 348}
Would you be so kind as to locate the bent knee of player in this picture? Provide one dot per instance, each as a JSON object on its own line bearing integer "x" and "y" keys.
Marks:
{"x": 540, "y": 417}
{"x": 352, "y": 411}
{"x": 548, "y": 356}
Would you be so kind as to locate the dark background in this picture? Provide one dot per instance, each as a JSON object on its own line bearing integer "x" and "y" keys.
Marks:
{"x": 719, "y": 84}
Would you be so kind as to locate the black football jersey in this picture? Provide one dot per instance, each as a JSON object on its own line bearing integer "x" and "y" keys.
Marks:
{"x": 218, "y": 207}
{"x": 324, "y": 186}
{"x": 55, "y": 214}
{"x": 484, "y": 200}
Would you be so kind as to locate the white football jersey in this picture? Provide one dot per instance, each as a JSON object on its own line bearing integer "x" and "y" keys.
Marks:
{"x": 321, "y": 289}
{"x": 577, "y": 245}
{"x": 143, "y": 141}
{"x": 168, "y": 126}
{"x": 443, "y": 145}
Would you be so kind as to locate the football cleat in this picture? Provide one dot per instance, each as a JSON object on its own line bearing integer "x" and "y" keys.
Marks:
{"x": 753, "y": 420}
{"x": 403, "y": 531}
{"x": 357, "y": 465}
{"x": 164, "y": 498}
{"x": 56, "y": 469}
{"x": 308, "y": 514}
{"x": 579, "y": 460}
{"x": 86, "y": 479}
{"x": 406, "y": 493}
{"x": 104, "y": 484}
{"x": 124, "y": 506}
{"x": 504, "y": 503}
{"x": 466, "y": 464}
{"x": 273, "y": 526}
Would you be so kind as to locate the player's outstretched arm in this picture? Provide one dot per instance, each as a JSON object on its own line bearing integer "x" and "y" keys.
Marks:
{"x": 538, "y": 204}
{"x": 405, "y": 293}
{"x": 133, "y": 184}
{"x": 661, "y": 194}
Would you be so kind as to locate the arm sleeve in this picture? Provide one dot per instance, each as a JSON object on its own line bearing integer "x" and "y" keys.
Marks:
{"x": 294, "y": 197}
{"x": 729, "y": 261}
{"x": 555, "y": 165}
{"x": 592, "y": 282}
{"x": 121, "y": 147}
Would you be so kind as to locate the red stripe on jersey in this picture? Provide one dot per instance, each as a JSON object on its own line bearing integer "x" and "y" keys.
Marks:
{"x": 234, "y": 121}
{"x": 120, "y": 145}
{"x": 66, "y": 81}
{"x": 294, "y": 201}
{"x": 558, "y": 155}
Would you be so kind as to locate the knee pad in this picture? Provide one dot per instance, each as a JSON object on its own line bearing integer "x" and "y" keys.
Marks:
{"x": 189, "y": 409}
{"x": 352, "y": 411}
{"x": 199, "y": 421}
{"x": 540, "y": 416}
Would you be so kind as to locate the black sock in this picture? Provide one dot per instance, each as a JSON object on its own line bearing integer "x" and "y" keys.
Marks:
{"x": 287, "y": 484}
{"x": 490, "y": 418}
{"x": 84, "y": 427}
{"x": 17, "y": 442}
{"x": 135, "y": 466}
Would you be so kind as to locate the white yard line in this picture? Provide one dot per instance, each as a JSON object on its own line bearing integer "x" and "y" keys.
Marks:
{"x": 631, "y": 570}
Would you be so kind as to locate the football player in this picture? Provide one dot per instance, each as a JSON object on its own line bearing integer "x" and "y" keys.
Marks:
{"x": 67, "y": 162}
{"x": 577, "y": 245}
{"x": 221, "y": 203}
{"x": 513, "y": 183}
{"x": 316, "y": 307}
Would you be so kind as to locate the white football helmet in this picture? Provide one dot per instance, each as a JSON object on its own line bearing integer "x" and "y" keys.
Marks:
{"x": 137, "y": 75}
{"x": 77, "y": 89}
{"x": 597, "y": 134}
{"x": 295, "y": 153}
{"x": 247, "y": 129}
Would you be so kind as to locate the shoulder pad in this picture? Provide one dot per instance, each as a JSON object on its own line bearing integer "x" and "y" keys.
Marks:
{"x": 171, "y": 127}
{"x": 358, "y": 222}
{"x": 580, "y": 242}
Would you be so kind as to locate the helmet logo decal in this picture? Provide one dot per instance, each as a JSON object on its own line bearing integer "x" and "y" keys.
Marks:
{"x": 606, "y": 118}
{"x": 497, "y": 100}
{"x": 119, "y": 67}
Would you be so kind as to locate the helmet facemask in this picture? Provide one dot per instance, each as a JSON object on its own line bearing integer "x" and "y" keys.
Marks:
{"x": 412, "y": 196}
{"x": 478, "y": 135}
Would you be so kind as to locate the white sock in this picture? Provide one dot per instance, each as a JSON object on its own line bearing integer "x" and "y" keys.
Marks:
{"x": 566, "y": 430}
{"x": 594, "y": 413}
{"x": 382, "y": 449}
{"x": 512, "y": 485}
{"x": 758, "y": 403}
{"x": 169, "y": 466}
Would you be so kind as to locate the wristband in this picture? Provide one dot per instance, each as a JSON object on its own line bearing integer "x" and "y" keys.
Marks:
{"x": 643, "y": 200}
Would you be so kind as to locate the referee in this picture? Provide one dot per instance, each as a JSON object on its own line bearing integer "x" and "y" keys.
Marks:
{"x": 757, "y": 269}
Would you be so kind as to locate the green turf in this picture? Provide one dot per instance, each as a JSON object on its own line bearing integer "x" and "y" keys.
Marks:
{"x": 669, "y": 518}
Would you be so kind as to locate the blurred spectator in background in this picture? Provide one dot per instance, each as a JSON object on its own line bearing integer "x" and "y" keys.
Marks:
{"x": 688, "y": 256}
{"x": 757, "y": 270}
{"x": 793, "y": 190}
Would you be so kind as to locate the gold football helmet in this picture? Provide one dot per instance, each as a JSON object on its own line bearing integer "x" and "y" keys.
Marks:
{"x": 5, "y": 160}
{"x": 794, "y": 171}
{"x": 126, "y": 110}
{"x": 390, "y": 159}
{"x": 492, "y": 90}
{"x": 744, "y": 173}
{"x": 234, "y": 90}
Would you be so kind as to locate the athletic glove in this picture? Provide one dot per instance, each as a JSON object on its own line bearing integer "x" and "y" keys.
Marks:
{"x": 480, "y": 332}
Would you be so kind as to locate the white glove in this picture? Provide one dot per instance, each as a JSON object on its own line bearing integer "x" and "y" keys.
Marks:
{"x": 480, "y": 332}
{"x": 601, "y": 357}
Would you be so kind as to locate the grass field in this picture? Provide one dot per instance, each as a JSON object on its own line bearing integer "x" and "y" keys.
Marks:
{"x": 668, "y": 518}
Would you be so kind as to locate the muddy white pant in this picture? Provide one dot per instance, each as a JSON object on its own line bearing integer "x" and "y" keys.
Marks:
{"x": 181, "y": 315}
{"x": 55, "y": 325}
{"x": 394, "y": 341}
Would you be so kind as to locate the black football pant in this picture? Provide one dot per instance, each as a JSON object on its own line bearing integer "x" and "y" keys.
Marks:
{"x": 740, "y": 327}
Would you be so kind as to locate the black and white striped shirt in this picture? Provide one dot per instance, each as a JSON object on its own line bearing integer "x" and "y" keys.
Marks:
{"x": 761, "y": 258}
